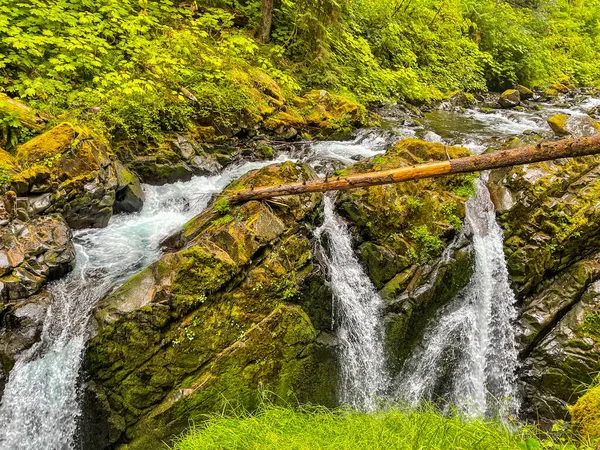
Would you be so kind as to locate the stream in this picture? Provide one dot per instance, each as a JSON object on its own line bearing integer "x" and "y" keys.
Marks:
{"x": 41, "y": 404}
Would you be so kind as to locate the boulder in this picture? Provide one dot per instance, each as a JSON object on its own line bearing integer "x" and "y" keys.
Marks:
{"x": 33, "y": 253}
{"x": 510, "y": 98}
{"x": 525, "y": 93}
{"x": 22, "y": 326}
{"x": 576, "y": 126}
{"x": 238, "y": 305}
{"x": 69, "y": 170}
{"x": 129, "y": 195}
{"x": 566, "y": 356}
{"x": 548, "y": 213}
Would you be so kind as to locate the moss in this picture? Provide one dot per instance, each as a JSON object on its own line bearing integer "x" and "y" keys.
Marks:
{"x": 558, "y": 124}
{"x": 413, "y": 220}
{"x": 586, "y": 414}
{"x": 48, "y": 145}
{"x": 8, "y": 167}
{"x": 200, "y": 272}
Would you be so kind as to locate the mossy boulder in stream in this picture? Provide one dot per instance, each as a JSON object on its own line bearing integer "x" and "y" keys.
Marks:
{"x": 71, "y": 171}
{"x": 232, "y": 310}
{"x": 408, "y": 239}
{"x": 550, "y": 216}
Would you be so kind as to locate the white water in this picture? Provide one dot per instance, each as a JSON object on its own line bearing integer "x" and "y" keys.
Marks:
{"x": 40, "y": 407}
{"x": 357, "y": 316}
{"x": 468, "y": 356}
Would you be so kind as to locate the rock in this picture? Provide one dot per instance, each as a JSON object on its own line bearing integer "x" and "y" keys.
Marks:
{"x": 525, "y": 93}
{"x": 129, "y": 196}
{"x": 460, "y": 99}
{"x": 33, "y": 253}
{"x": 586, "y": 414}
{"x": 21, "y": 328}
{"x": 510, "y": 98}
{"x": 577, "y": 126}
{"x": 70, "y": 171}
{"x": 232, "y": 308}
{"x": 552, "y": 246}
{"x": 548, "y": 213}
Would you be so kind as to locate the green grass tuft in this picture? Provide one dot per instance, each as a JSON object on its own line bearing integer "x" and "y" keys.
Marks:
{"x": 395, "y": 428}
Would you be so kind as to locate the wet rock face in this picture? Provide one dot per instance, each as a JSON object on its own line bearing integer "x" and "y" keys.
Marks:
{"x": 32, "y": 253}
{"x": 510, "y": 98}
{"x": 21, "y": 328}
{"x": 69, "y": 171}
{"x": 551, "y": 222}
{"x": 238, "y": 304}
{"x": 408, "y": 240}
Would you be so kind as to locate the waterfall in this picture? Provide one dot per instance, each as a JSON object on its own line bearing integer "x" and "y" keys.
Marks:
{"x": 40, "y": 406}
{"x": 468, "y": 356}
{"x": 357, "y": 316}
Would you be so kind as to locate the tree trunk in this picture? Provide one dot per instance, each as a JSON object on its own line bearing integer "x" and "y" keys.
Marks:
{"x": 266, "y": 21}
{"x": 567, "y": 148}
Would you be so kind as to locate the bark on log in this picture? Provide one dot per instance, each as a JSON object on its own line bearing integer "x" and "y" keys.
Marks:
{"x": 567, "y": 148}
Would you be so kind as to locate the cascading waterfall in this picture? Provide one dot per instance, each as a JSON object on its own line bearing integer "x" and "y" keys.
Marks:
{"x": 40, "y": 406}
{"x": 468, "y": 356}
{"x": 357, "y": 316}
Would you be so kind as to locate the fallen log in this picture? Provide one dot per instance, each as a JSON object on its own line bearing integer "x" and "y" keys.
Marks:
{"x": 546, "y": 151}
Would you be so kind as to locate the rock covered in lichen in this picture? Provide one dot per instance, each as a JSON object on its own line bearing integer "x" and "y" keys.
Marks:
{"x": 230, "y": 310}
{"x": 32, "y": 253}
{"x": 510, "y": 98}
{"x": 69, "y": 170}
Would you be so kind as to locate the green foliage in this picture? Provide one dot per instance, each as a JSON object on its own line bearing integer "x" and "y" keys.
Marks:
{"x": 428, "y": 244}
{"x": 138, "y": 68}
{"x": 10, "y": 127}
{"x": 222, "y": 205}
{"x": 393, "y": 428}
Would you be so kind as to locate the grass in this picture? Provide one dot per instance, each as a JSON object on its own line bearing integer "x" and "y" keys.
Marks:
{"x": 280, "y": 428}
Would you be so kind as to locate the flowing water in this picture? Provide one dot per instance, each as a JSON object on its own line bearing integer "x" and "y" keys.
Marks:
{"x": 357, "y": 311}
{"x": 468, "y": 356}
{"x": 40, "y": 406}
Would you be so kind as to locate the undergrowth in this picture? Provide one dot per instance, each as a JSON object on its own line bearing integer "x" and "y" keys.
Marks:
{"x": 395, "y": 428}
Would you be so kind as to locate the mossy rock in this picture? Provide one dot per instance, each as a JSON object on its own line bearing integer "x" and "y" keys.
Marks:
{"x": 510, "y": 98}
{"x": 585, "y": 414}
{"x": 414, "y": 220}
{"x": 214, "y": 321}
{"x": 403, "y": 231}
{"x": 77, "y": 168}
{"x": 8, "y": 168}
{"x": 561, "y": 345}
{"x": 525, "y": 93}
